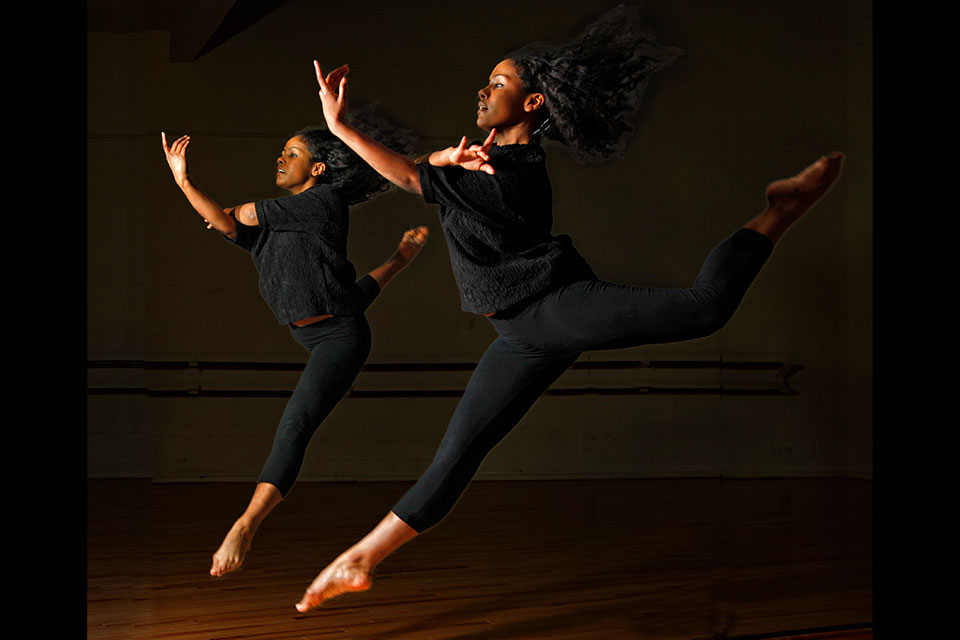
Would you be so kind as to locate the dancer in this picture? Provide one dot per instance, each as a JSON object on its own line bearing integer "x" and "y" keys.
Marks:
{"x": 298, "y": 244}
{"x": 539, "y": 293}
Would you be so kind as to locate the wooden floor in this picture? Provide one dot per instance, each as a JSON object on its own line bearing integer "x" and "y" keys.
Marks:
{"x": 561, "y": 560}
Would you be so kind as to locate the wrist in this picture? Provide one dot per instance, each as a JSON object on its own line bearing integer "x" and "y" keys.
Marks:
{"x": 338, "y": 128}
{"x": 441, "y": 158}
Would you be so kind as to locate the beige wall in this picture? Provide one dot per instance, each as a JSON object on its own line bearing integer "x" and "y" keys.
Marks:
{"x": 762, "y": 90}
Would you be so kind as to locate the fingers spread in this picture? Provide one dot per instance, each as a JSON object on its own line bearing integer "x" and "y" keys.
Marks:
{"x": 180, "y": 144}
{"x": 480, "y": 151}
{"x": 334, "y": 76}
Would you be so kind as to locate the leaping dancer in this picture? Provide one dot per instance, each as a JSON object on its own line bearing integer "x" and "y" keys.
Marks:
{"x": 299, "y": 245}
{"x": 541, "y": 296}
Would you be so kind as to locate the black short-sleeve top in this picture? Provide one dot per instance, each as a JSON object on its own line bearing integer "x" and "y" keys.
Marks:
{"x": 300, "y": 251}
{"x": 498, "y": 229}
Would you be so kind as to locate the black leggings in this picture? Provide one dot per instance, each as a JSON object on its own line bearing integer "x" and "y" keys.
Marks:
{"x": 338, "y": 348}
{"x": 540, "y": 340}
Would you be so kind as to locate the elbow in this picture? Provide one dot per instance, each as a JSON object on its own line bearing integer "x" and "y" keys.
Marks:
{"x": 408, "y": 178}
{"x": 411, "y": 183}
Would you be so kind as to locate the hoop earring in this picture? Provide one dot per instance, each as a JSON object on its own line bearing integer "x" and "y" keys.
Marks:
{"x": 543, "y": 126}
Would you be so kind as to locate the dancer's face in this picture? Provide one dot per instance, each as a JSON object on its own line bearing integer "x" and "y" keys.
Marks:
{"x": 503, "y": 102}
{"x": 295, "y": 171}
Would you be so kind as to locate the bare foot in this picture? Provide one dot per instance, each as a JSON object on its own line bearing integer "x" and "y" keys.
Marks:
{"x": 342, "y": 576}
{"x": 232, "y": 550}
{"x": 411, "y": 243}
{"x": 792, "y": 197}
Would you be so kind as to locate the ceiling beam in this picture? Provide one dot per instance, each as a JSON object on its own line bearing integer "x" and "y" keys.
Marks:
{"x": 206, "y": 24}
{"x": 195, "y": 27}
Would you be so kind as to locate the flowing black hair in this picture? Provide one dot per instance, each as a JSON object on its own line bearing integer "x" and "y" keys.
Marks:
{"x": 593, "y": 85}
{"x": 346, "y": 171}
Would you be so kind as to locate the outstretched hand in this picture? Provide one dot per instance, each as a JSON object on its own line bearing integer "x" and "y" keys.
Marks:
{"x": 333, "y": 95}
{"x": 476, "y": 157}
{"x": 176, "y": 155}
{"x": 334, "y": 77}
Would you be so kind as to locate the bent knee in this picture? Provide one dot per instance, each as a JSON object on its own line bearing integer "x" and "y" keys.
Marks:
{"x": 712, "y": 320}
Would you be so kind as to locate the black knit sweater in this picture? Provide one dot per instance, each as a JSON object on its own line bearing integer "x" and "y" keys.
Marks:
{"x": 300, "y": 250}
{"x": 498, "y": 229}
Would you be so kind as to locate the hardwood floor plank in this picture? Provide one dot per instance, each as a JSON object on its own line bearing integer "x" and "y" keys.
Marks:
{"x": 565, "y": 560}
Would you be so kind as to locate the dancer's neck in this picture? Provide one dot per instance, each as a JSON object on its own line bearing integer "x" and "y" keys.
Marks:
{"x": 518, "y": 134}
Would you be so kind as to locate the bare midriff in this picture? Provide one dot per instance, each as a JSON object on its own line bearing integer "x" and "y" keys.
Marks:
{"x": 306, "y": 321}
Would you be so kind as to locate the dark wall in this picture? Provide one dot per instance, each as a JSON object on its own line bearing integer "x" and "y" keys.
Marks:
{"x": 763, "y": 89}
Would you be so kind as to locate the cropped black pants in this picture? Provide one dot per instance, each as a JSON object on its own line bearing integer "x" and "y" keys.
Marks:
{"x": 338, "y": 348}
{"x": 540, "y": 340}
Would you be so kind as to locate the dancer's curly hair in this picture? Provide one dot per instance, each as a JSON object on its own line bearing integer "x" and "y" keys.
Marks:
{"x": 345, "y": 171}
{"x": 593, "y": 85}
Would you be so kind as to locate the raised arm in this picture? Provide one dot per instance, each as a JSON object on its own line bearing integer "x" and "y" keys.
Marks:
{"x": 395, "y": 167}
{"x": 216, "y": 217}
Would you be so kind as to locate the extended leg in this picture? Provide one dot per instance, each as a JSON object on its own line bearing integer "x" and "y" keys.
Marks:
{"x": 505, "y": 384}
{"x": 503, "y": 387}
{"x": 339, "y": 347}
{"x": 603, "y": 315}
{"x": 594, "y": 314}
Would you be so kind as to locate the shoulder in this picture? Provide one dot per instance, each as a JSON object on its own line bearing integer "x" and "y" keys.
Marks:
{"x": 321, "y": 193}
{"x": 519, "y": 153}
